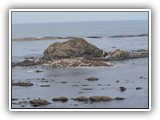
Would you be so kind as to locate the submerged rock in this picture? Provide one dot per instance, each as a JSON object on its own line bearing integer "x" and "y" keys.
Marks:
{"x": 122, "y": 89}
{"x": 92, "y": 79}
{"x": 119, "y": 98}
{"x": 25, "y": 84}
{"x": 75, "y": 47}
{"x": 138, "y": 88}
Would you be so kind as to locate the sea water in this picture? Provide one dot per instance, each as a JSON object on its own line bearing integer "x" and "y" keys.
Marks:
{"x": 128, "y": 72}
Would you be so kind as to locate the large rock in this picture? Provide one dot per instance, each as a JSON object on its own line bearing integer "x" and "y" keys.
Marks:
{"x": 75, "y": 47}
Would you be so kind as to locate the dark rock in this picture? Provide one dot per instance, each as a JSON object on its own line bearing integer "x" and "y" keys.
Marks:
{"x": 44, "y": 85}
{"x": 122, "y": 89}
{"x": 138, "y": 88}
{"x": 87, "y": 89}
{"x": 122, "y": 36}
{"x": 141, "y": 77}
{"x": 92, "y": 79}
{"x": 14, "y": 98}
{"x": 37, "y": 71}
{"x": 119, "y": 98}
{"x": 62, "y": 99}
{"x": 39, "y": 102}
{"x": 75, "y": 47}
{"x": 117, "y": 81}
{"x": 26, "y": 63}
{"x": 63, "y": 82}
{"x": 25, "y": 84}
{"x": 94, "y": 37}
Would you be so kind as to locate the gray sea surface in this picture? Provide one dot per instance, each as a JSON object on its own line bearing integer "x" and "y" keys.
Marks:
{"x": 71, "y": 82}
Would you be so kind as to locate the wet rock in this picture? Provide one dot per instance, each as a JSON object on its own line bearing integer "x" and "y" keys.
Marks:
{"x": 39, "y": 102}
{"x": 92, "y": 79}
{"x": 62, "y": 99}
{"x": 138, "y": 88}
{"x": 119, "y": 98}
{"x": 14, "y": 98}
{"x": 26, "y": 63}
{"x": 122, "y": 89}
{"x": 37, "y": 71}
{"x": 117, "y": 81}
{"x": 95, "y": 98}
{"x": 87, "y": 89}
{"x": 106, "y": 98}
{"x": 75, "y": 47}
{"x": 25, "y": 84}
{"x": 44, "y": 85}
{"x": 119, "y": 55}
{"x": 63, "y": 82}
{"x": 81, "y": 98}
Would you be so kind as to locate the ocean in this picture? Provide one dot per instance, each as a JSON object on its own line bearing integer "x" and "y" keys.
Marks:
{"x": 80, "y": 29}
{"x": 70, "y": 82}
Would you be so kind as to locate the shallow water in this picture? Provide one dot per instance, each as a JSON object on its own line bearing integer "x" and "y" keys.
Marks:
{"x": 127, "y": 72}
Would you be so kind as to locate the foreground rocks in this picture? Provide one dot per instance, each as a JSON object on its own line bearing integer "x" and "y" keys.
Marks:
{"x": 39, "y": 102}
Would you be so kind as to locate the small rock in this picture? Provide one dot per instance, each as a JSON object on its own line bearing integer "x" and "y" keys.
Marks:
{"x": 24, "y": 84}
{"x": 63, "y": 82}
{"x": 44, "y": 85}
{"x": 122, "y": 89}
{"x": 92, "y": 79}
{"x": 119, "y": 98}
{"x": 63, "y": 99}
{"x": 38, "y": 102}
{"x": 95, "y": 98}
{"x": 87, "y": 89}
{"x": 117, "y": 81}
{"x": 141, "y": 77}
{"x": 37, "y": 71}
{"x": 106, "y": 98}
{"x": 138, "y": 88}
{"x": 82, "y": 98}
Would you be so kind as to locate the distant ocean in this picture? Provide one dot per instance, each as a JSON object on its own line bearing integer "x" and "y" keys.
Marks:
{"x": 80, "y": 29}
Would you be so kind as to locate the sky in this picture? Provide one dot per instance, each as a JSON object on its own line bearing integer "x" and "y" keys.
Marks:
{"x": 44, "y": 17}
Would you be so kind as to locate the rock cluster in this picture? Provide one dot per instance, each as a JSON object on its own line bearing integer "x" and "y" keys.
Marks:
{"x": 39, "y": 102}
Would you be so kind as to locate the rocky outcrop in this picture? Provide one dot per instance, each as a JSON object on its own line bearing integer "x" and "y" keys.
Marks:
{"x": 125, "y": 55}
{"x": 75, "y": 47}
{"x": 119, "y": 55}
